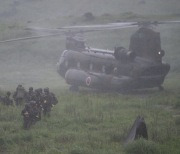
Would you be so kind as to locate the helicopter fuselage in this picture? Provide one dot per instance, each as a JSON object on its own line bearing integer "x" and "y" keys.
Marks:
{"x": 100, "y": 69}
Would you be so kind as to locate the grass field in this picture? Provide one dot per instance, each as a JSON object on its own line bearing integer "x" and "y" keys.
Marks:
{"x": 96, "y": 123}
{"x": 88, "y": 122}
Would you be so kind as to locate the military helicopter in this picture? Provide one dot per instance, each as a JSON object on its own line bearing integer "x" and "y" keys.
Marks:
{"x": 138, "y": 67}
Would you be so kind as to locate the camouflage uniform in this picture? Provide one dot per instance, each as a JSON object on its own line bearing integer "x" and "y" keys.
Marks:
{"x": 26, "y": 113}
{"x": 7, "y": 100}
{"x": 47, "y": 102}
{"x": 30, "y": 114}
{"x": 30, "y": 95}
{"x": 39, "y": 101}
{"x": 40, "y": 91}
{"x": 54, "y": 99}
{"x": 19, "y": 95}
{"x": 35, "y": 112}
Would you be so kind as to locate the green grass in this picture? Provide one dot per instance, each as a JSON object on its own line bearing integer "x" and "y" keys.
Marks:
{"x": 94, "y": 123}
{"x": 142, "y": 147}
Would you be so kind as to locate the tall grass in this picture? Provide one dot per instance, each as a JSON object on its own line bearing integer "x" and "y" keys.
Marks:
{"x": 93, "y": 123}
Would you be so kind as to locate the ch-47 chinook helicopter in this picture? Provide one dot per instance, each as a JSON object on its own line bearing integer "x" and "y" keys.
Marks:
{"x": 138, "y": 67}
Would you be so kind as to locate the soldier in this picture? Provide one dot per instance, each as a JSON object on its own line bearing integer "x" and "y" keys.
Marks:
{"x": 35, "y": 112}
{"x": 30, "y": 114}
{"x": 30, "y": 95}
{"x": 7, "y": 100}
{"x": 39, "y": 101}
{"x": 19, "y": 95}
{"x": 40, "y": 91}
{"x": 54, "y": 99}
{"x": 26, "y": 113}
{"x": 47, "y": 102}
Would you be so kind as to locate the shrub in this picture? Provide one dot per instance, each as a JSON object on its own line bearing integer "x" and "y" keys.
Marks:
{"x": 89, "y": 16}
{"x": 142, "y": 146}
{"x": 177, "y": 105}
{"x": 79, "y": 150}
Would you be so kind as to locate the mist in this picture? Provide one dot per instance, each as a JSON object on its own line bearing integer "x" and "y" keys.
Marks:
{"x": 33, "y": 62}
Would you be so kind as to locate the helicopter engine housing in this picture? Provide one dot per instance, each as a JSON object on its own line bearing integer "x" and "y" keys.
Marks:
{"x": 123, "y": 55}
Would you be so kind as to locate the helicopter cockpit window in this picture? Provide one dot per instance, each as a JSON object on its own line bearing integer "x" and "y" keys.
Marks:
{"x": 75, "y": 44}
{"x": 80, "y": 45}
{"x": 90, "y": 66}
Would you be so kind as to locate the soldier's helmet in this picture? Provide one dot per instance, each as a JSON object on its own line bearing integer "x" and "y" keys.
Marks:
{"x": 46, "y": 89}
{"x": 40, "y": 90}
{"x": 30, "y": 88}
{"x": 37, "y": 91}
{"x": 27, "y": 106}
{"x": 19, "y": 86}
{"x": 8, "y": 93}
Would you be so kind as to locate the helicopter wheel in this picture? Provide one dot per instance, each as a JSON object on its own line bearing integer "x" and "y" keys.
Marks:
{"x": 73, "y": 88}
{"x": 161, "y": 88}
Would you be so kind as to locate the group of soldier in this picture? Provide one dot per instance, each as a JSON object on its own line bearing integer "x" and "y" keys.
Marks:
{"x": 36, "y": 102}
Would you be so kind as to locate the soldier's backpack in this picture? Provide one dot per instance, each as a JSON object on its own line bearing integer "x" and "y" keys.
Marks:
{"x": 20, "y": 92}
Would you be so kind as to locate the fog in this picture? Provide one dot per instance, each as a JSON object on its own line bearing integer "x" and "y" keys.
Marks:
{"x": 33, "y": 62}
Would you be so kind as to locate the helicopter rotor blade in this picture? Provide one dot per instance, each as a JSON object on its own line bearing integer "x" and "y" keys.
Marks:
{"x": 104, "y": 29}
{"x": 169, "y": 22}
{"x": 28, "y": 38}
{"x": 74, "y": 30}
{"x": 117, "y": 25}
{"x": 85, "y": 28}
{"x": 101, "y": 27}
{"x": 97, "y": 27}
{"x": 44, "y": 29}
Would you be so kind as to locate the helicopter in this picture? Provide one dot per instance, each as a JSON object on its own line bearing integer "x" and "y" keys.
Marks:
{"x": 138, "y": 67}
{"x": 121, "y": 69}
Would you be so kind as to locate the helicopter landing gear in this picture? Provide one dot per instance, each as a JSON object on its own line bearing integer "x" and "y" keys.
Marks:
{"x": 161, "y": 88}
{"x": 73, "y": 88}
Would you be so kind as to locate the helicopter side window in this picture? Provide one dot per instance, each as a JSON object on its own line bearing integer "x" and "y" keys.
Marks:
{"x": 90, "y": 66}
{"x": 103, "y": 69}
{"x": 66, "y": 63}
{"x": 80, "y": 45}
{"x": 109, "y": 69}
{"x": 78, "y": 65}
{"x": 97, "y": 67}
{"x": 70, "y": 63}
